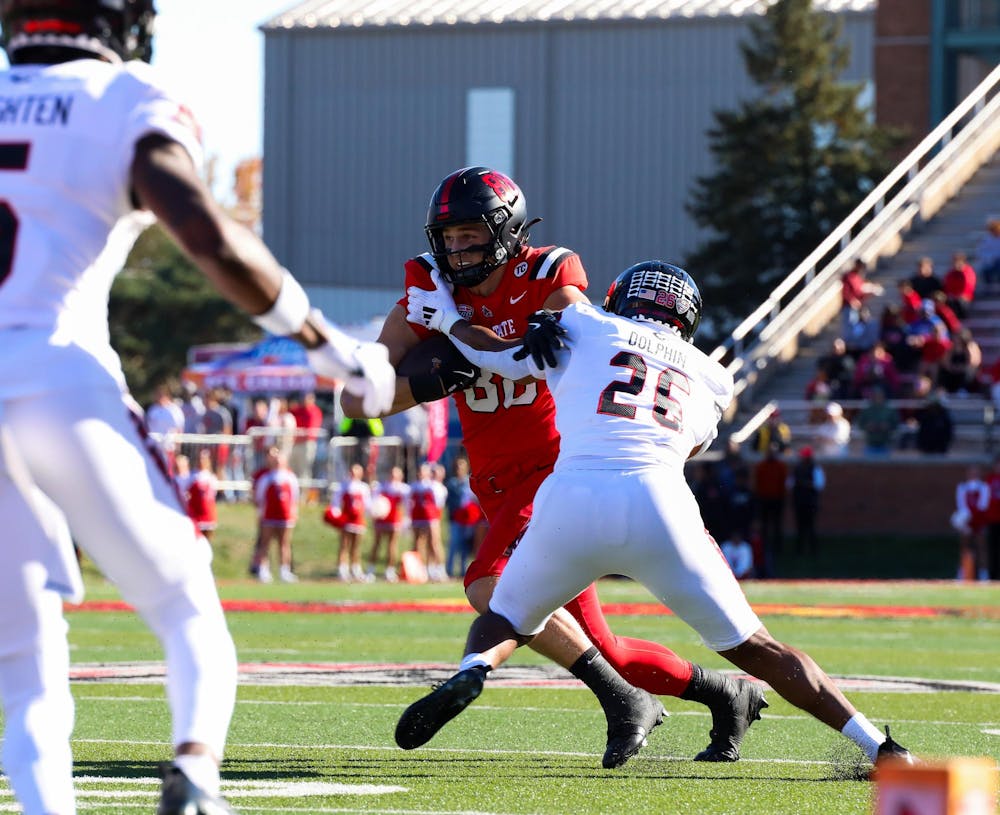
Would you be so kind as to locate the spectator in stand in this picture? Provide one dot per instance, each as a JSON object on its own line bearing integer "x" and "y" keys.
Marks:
{"x": 910, "y": 302}
{"x": 896, "y": 341}
{"x": 410, "y": 426}
{"x": 960, "y": 285}
{"x": 770, "y": 476}
{"x": 833, "y": 435}
{"x": 925, "y": 283}
{"x": 929, "y": 334}
{"x": 864, "y": 333}
{"x": 199, "y": 493}
{"x": 741, "y": 504}
{"x": 164, "y": 421}
{"x": 946, "y": 313}
{"x": 855, "y": 289}
{"x": 461, "y": 518}
{"x": 711, "y": 499}
{"x": 193, "y": 408}
{"x": 283, "y": 421}
{"x": 730, "y": 466}
{"x": 773, "y": 432}
{"x": 876, "y": 369}
{"x": 389, "y": 528}
{"x": 277, "y": 497}
{"x": 254, "y": 425}
{"x": 363, "y": 431}
{"x": 353, "y": 497}
{"x": 989, "y": 379}
{"x": 218, "y": 421}
{"x": 818, "y": 389}
{"x": 935, "y": 428}
{"x": 993, "y": 519}
{"x": 959, "y": 370}
{"x": 182, "y": 474}
{"x": 988, "y": 256}
{"x": 427, "y": 498}
{"x": 739, "y": 555}
{"x": 878, "y": 421}
{"x": 839, "y": 367}
{"x": 972, "y": 500}
{"x": 806, "y": 483}
{"x": 308, "y": 423}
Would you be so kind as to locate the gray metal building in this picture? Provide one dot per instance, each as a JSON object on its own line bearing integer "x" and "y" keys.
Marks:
{"x": 597, "y": 108}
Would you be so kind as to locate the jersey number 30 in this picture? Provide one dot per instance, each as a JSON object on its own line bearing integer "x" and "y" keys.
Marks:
{"x": 13, "y": 156}
{"x": 666, "y": 409}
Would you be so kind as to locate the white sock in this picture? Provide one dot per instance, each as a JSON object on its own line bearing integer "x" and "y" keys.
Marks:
{"x": 474, "y": 661}
{"x": 864, "y": 734}
{"x": 201, "y": 770}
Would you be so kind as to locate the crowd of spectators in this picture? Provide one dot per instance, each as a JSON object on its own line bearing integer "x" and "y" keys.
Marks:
{"x": 921, "y": 347}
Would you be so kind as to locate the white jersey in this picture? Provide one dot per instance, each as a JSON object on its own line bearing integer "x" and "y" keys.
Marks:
{"x": 67, "y": 222}
{"x": 628, "y": 394}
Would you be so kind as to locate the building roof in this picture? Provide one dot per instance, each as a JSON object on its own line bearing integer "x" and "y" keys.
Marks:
{"x": 319, "y": 14}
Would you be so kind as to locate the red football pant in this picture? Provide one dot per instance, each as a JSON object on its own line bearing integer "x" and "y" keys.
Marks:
{"x": 647, "y": 665}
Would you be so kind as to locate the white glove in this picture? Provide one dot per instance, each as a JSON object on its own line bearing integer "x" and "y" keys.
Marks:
{"x": 363, "y": 366}
{"x": 434, "y": 309}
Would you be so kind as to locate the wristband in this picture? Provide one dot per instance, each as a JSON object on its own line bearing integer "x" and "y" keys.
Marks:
{"x": 427, "y": 387}
{"x": 289, "y": 311}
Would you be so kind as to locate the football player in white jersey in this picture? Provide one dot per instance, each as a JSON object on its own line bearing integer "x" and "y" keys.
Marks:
{"x": 634, "y": 400}
{"x": 92, "y": 149}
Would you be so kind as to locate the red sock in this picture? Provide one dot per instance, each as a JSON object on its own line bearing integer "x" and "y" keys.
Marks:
{"x": 647, "y": 665}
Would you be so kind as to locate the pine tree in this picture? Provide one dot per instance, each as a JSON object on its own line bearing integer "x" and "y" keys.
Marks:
{"x": 791, "y": 163}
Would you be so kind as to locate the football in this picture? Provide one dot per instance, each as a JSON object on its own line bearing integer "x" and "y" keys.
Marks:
{"x": 427, "y": 356}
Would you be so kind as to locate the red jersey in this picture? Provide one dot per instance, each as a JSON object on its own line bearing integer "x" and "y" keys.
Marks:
{"x": 960, "y": 282}
{"x": 396, "y": 493}
{"x": 277, "y": 496}
{"x": 426, "y": 500}
{"x": 355, "y": 497}
{"x": 495, "y": 412}
{"x": 201, "y": 489}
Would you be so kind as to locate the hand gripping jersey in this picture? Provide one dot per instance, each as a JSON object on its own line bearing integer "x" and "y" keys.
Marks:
{"x": 68, "y": 223}
{"x": 630, "y": 394}
{"x": 504, "y": 424}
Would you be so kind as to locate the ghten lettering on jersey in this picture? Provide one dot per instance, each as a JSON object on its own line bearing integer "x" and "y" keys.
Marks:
{"x": 504, "y": 329}
{"x": 43, "y": 109}
{"x": 668, "y": 352}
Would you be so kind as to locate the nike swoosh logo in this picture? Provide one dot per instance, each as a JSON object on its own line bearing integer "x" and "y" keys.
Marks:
{"x": 516, "y": 300}
{"x": 467, "y": 373}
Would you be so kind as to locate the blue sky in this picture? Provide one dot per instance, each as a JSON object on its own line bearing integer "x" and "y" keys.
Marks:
{"x": 212, "y": 55}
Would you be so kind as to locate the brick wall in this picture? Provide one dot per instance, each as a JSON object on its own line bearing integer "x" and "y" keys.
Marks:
{"x": 907, "y": 496}
{"x": 902, "y": 66}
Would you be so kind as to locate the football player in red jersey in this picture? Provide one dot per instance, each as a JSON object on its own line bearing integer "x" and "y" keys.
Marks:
{"x": 477, "y": 227}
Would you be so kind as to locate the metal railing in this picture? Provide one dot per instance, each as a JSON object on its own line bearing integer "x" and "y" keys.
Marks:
{"x": 804, "y": 302}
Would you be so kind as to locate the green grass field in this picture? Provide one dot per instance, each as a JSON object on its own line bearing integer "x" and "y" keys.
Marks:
{"x": 323, "y": 747}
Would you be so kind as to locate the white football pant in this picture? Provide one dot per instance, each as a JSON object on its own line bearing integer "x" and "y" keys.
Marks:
{"x": 644, "y": 524}
{"x": 84, "y": 450}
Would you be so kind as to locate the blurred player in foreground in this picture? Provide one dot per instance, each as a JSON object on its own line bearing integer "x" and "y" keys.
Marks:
{"x": 634, "y": 400}
{"x": 92, "y": 150}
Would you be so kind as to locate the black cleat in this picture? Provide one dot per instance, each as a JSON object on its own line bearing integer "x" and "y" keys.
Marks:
{"x": 421, "y": 720}
{"x": 731, "y": 720}
{"x": 627, "y": 734}
{"x": 179, "y": 796}
{"x": 890, "y": 750}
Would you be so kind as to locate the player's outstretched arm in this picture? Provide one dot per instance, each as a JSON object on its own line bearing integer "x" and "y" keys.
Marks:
{"x": 240, "y": 266}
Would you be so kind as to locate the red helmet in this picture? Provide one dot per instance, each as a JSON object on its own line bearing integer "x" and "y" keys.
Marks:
{"x": 477, "y": 195}
{"x": 43, "y": 31}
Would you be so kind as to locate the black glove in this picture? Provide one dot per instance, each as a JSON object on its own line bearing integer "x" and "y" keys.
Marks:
{"x": 454, "y": 373}
{"x": 543, "y": 338}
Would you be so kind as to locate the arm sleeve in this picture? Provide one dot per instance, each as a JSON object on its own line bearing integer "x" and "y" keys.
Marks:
{"x": 502, "y": 362}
